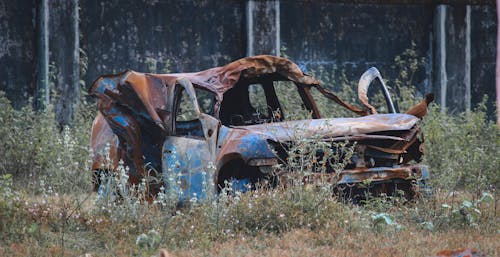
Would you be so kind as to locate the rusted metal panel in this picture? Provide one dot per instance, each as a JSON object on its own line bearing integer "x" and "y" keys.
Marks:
{"x": 191, "y": 176}
{"x": 330, "y": 128}
{"x": 382, "y": 173}
{"x": 377, "y": 174}
{"x": 364, "y": 83}
{"x": 138, "y": 119}
{"x": 104, "y": 144}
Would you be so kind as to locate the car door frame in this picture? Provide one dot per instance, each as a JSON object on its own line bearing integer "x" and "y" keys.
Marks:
{"x": 188, "y": 162}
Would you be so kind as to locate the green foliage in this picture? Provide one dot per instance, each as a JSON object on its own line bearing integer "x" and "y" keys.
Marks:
{"x": 462, "y": 150}
{"x": 406, "y": 65}
{"x": 148, "y": 241}
{"x": 336, "y": 81}
{"x": 46, "y": 206}
{"x": 402, "y": 88}
{"x": 33, "y": 147}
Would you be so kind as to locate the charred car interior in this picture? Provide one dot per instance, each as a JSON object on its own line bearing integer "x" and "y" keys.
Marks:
{"x": 228, "y": 124}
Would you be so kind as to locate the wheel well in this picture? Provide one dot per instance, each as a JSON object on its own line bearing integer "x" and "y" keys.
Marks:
{"x": 237, "y": 169}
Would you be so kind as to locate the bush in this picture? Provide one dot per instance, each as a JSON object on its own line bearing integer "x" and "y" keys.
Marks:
{"x": 33, "y": 148}
{"x": 57, "y": 211}
{"x": 462, "y": 150}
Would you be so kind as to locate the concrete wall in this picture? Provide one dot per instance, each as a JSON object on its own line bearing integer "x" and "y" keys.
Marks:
{"x": 18, "y": 50}
{"x": 457, "y": 41}
{"x": 161, "y": 36}
{"x": 353, "y": 38}
{"x": 483, "y": 54}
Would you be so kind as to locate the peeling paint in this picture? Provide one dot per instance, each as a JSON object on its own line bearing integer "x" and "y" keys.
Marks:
{"x": 141, "y": 112}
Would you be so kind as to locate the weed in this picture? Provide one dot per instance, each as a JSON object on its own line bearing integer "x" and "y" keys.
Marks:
{"x": 47, "y": 207}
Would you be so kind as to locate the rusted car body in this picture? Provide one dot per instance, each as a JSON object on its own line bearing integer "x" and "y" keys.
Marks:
{"x": 143, "y": 121}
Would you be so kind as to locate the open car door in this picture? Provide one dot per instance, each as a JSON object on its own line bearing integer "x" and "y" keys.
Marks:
{"x": 188, "y": 152}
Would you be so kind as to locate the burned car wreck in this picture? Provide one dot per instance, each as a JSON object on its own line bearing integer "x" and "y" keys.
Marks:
{"x": 203, "y": 127}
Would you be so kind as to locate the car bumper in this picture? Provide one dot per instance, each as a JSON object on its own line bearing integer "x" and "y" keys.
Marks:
{"x": 416, "y": 172}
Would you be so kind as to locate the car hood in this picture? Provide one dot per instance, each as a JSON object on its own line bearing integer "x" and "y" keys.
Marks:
{"x": 334, "y": 127}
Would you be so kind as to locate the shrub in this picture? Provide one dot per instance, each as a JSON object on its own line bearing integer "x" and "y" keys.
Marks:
{"x": 462, "y": 150}
{"x": 57, "y": 212}
{"x": 33, "y": 147}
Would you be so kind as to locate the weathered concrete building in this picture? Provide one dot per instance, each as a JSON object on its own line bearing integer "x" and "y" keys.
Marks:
{"x": 50, "y": 45}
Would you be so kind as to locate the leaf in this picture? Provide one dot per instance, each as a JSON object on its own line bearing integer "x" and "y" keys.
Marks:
{"x": 142, "y": 240}
{"x": 427, "y": 225}
{"x": 154, "y": 237}
{"x": 486, "y": 197}
{"x": 382, "y": 218}
{"x": 33, "y": 228}
{"x": 467, "y": 204}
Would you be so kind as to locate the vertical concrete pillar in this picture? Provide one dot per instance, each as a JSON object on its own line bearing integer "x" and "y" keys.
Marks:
{"x": 467, "y": 50}
{"x": 498, "y": 64}
{"x": 440, "y": 35}
{"x": 263, "y": 27}
{"x": 42, "y": 82}
{"x": 65, "y": 57}
{"x": 453, "y": 57}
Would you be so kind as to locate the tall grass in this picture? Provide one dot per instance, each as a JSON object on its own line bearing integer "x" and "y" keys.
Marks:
{"x": 47, "y": 207}
{"x": 462, "y": 151}
{"x": 33, "y": 148}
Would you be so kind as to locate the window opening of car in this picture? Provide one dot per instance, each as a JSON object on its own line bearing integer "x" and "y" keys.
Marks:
{"x": 206, "y": 100}
{"x": 258, "y": 100}
{"x": 329, "y": 108}
{"x": 187, "y": 122}
{"x": 265, "y": 101}
{"x": 292, "y": 104}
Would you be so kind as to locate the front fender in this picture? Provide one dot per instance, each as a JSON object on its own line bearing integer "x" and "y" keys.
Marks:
{"x": 238, "y": 143}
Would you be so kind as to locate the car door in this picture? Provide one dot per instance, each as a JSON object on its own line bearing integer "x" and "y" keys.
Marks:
{"x": 188, "y": 152}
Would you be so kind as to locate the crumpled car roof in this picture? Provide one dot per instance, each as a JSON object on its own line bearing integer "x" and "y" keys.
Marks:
{"x": 152, "y": 88}
{"x": 221, "y": 79}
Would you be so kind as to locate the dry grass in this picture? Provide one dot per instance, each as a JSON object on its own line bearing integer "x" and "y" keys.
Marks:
{"x": 71, "y": 225}
{"x": 303, "y": 242}
{"x": 47, "y": 209}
